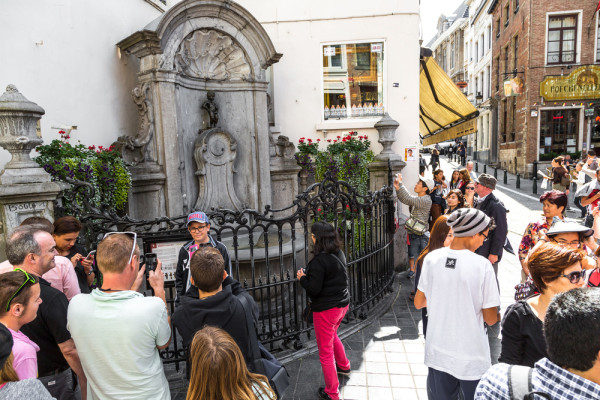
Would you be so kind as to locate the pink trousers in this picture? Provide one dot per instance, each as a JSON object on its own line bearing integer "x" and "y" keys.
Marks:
{"x": 331, "y": 349}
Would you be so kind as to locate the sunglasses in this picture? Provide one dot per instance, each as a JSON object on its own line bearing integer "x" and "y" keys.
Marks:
{"x": 470, "y": 187}
{"x": 132, "y": 235}
{"x": 574, "y": 277}
{"x": 28, "y": 279}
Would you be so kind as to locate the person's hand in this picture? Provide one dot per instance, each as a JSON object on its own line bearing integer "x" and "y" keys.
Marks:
{"x": 397, "y": 181}
{"x": 156, "y": 278}
{"x": 87, "y": 263}
{"x": 76, "y": 259}
{"x": 596, "y": 211}
{"x": 139, "y": 279}
{"x": 493, "y": 258}
{"x": 300, "y": 273}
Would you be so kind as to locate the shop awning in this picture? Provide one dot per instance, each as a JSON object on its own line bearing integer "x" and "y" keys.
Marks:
{"x": 442, "y": 105}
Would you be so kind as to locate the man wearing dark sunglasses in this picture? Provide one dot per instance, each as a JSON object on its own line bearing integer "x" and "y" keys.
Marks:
{"x": 33, "y": 250}
{"x": 198, "y": 226}
{"x": 119, "y": 331}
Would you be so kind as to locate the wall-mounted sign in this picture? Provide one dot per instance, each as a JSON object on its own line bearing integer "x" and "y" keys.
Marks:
{"x": 410, "y": 153}
{"x": 534, "y": 113}
{"x": 329, "y": 51}
{"x": 514, "y": 87}
{"x": 376, "y": 47}
{"x": 580, "y": 84}
{"x": 588, "y": 112}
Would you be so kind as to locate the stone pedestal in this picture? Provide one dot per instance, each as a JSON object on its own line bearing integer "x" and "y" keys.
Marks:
{"x": 147, "y": 199}
{"x": 284, "y": 176}
{"x": 382, "y": 171}
{"x": 25, "y": 188}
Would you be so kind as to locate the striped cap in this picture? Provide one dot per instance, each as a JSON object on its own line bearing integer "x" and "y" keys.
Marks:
{"x": 468, "y": 222}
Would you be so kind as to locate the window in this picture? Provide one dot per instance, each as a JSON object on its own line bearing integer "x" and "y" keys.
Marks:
{"x": 504, "y": 120}
{"x": 497, "y": 64}
{"x": 476, "y": 87}
{"x": 444, "y": 58}
{"x": 353, "y": 80}
{"x": 482, "y": 89}
{"x": 559, "y": 132}
{"x": 513, "y": 124}
{"x": 489, "y": 82}
{"x": 506, "y": 68}
{"x": 489, "y": 33}
{"x": 598, "y": 40}
{"x": 476, "y": 51}
{"x": 515, "y": 6}
{"x": 452, "y": 55}
{"x": 506, "y": 14}
{"x": 516, "y": 52}
{"x": 482, "y": 41}
{"x": 497, "y": 28}
{"x": 562, "y": 39}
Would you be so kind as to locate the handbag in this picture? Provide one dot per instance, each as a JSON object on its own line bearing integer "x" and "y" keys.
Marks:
{"x": 523, "y": 291}
{"x": 414, "y": 226}
{"x": 263, "y": 362}
{"x": 307, "y": 313}
{"x": 565, "y": 181}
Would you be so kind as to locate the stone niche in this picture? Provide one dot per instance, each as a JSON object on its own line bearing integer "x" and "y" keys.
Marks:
{"x": 187, "y": 139}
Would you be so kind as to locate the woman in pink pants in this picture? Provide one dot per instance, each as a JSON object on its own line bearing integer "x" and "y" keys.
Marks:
{"x": 326, "y": 283}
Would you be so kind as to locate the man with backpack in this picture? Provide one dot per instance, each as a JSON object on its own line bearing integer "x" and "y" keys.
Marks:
{"x": 572, "y": 369}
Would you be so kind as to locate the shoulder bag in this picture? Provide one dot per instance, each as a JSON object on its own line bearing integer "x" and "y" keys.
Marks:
{"x": 523, "y": 291}
{"x": 414, "y": 226}
{"x": 565, "y": 181}
{"x": 263, "y": 362}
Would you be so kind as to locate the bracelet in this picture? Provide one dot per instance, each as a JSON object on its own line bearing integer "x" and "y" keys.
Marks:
{"x": 91, "y": 272}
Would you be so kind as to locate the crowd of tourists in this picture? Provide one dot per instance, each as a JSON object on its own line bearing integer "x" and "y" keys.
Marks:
{"x": 550, "y": 336}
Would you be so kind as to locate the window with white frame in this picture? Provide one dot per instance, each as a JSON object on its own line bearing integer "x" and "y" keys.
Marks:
{"x": 482, "y": 41}
{"x": 489, "y": 33}
{"x": 353, "y": 80}
{"x": 452, "y": 55}
{"x": 597, "y": 39}
{"x": 562, "y": 39}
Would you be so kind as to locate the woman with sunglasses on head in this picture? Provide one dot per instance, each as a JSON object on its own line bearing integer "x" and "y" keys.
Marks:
{"x": 465, "y": 179}
{"x": 554, "y": 269}
{"x": 19, "y": 302}
{"x": 454, "y": 201}
{"x": 11, "y": 387}
{"x": 66, "y": 232}
{"x": 219, "y": 372}
{"x": 437, "y": 197}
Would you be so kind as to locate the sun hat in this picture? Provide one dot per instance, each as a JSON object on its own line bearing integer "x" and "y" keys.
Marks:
{"x": 568, "y": 226}
{"x": 467, "y": 222}
{"x": 197, "y": 216}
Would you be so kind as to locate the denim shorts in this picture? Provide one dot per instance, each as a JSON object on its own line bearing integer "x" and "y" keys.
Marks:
{"x": 417, "y": 244}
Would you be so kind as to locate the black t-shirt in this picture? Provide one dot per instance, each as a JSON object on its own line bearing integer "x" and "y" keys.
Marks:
{"x": 79, "y": 270}
{"x": 49, "y": 329}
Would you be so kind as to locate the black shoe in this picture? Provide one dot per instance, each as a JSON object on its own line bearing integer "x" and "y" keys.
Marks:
{"x": 344, "y": 372}
{"x": 323, "y": 395}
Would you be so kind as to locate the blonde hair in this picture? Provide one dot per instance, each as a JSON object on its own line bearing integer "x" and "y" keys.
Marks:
{"x": 8, "y": 373}
{"x": 218, "y": 369}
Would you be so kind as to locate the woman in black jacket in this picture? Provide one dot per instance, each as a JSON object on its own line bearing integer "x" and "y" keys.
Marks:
{"x": 326, "y": 283}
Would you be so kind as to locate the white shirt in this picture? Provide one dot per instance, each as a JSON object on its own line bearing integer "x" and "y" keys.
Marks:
{"x": 458, "y": 285}
{"x": 116, "y": 335}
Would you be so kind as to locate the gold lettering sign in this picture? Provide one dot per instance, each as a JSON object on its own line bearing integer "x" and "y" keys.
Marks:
{"x": 466, "y": 128}
{"x": 580, "y": 84}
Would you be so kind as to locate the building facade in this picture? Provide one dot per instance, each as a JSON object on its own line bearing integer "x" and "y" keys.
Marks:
{"x": 545, "y": 80}
{"x": 478, "y": 64}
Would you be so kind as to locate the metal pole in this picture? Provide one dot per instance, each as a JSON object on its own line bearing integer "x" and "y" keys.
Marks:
{"x": 518, "y": 181}
{"x": 476, "y": 167}
{"x": 535, "y": 169}
{"x": 485, "y": 168}
{"x": 496, "y": 172}
{"x": 505, "y": 177}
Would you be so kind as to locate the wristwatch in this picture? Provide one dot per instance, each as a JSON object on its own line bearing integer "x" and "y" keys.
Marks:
{"x": 91, "y": 272}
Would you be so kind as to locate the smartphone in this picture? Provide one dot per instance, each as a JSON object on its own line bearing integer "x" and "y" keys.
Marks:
{"x": 151, "y": 262}
{"x": 90, "y": 255}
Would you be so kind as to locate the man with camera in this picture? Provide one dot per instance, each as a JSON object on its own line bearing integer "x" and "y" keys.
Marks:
{"x": 117, "y": 330}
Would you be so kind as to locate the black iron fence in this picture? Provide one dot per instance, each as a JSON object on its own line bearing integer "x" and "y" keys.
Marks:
{"x": 268, "y": 248}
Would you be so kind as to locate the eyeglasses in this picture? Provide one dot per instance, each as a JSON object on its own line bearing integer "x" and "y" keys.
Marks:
{"x": 28, "y": 279}
{"x": 575, "y": 243}
{"x": 574, "y": 277}
{"x": 485, "y": 236}
{"x": 197, "y": 229}
{"x": 470, "y": 187}
{"x": 132, "y": 235}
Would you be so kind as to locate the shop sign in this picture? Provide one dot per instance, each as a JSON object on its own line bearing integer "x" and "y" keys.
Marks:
{"x": 329, "y": 51}
{"x": 376, "y": 47}
{"x": 580, "y": 84}
{"x": 588, "y": 112}
{"x": 514, "y": 87}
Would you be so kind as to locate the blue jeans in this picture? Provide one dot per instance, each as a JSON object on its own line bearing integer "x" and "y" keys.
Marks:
{"x": 443, "y": 386}
{"x": 417, "y": 244}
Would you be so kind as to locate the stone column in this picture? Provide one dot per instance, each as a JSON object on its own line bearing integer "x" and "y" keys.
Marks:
{"x": 25, "y": 188}
{"x": 382, "y": 171}
{"x": 284, "y": 176}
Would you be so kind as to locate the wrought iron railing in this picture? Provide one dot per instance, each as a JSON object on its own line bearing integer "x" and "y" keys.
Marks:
{"x": 268, "y": 248}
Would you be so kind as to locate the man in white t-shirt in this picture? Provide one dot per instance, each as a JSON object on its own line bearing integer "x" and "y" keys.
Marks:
{"x": 459, "y": 289}
{"x": 118, "y": 331}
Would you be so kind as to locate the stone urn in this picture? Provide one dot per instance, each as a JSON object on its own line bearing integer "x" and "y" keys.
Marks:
{"x": 386, "y": 127}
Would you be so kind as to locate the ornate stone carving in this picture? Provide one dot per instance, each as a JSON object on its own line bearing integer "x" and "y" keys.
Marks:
{"x": 208, "y": 54}
{"x": 135, "y": 149}
{"x": 284, "y": 148}
{"x": 386, "y": 127}
{"x": 215, "y": 153}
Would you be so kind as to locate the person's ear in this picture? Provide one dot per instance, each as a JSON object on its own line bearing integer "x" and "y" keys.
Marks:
{"x": 225, "y": 274}
{"x": 192, "y": 281}
{"x": 16, "y": 309}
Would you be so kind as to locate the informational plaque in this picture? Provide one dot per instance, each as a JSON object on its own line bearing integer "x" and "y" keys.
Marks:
{"x": 167, "y": 253}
